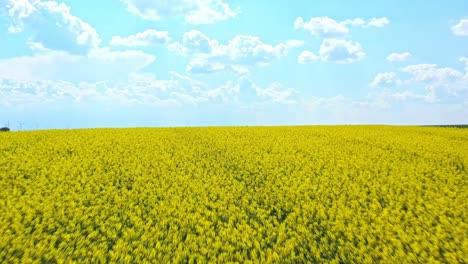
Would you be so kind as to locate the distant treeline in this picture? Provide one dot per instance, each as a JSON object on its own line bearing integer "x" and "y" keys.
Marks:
{"x": 456, "y": 126}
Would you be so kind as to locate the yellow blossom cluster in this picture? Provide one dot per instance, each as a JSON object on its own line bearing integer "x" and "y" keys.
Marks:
{"x": 321, "y": 194}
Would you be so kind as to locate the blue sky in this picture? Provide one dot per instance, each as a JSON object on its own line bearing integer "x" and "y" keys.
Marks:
{"x": 127, "y": 63}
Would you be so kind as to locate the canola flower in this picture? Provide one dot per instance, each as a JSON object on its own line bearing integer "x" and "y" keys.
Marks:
{"x": 343, "y": 194}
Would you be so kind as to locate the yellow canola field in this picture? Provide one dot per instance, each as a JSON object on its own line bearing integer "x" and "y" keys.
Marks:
{"x": 338, "y": 194}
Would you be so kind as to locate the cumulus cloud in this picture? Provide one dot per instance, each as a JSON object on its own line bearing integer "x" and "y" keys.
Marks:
{"x": 329, "y": 28}
{"x": 16, "y": 93}
{"x": 373, "y": 22}
{"x": 431, "y": 73}
{"x": 377, "y": 22}
{"x": 386, "y": 98}
{"x": 185, "y": 89}
{"x": 18, "y": 10}
{"x": 307, "y": 57}
{"x": 322, "y": 26}
{"x": 461, "y": 29}
{"x": 67, "y": 48}
{"x": 194, "y": 42}
{"x": 438, "y": 79}
{"x": 250, "y": 92}
{"x": 53, "y": 25}
{"x": 140, "y": 89}
{"x": 439, "y": 83}
{"x": 37, "y": 46}
{"x": 198, "y": 66}
{"x": 240, "y": 52}
{"x": 243, "y": 91}
{"x": 193, "y": 11}
{"x": 385, "y": 79}
{"x": 340, "y": 51}
{"x": 98, "y": 64}
{"x": 145, "y": 38}
{"x": 334, "y": 50}
{"x": 250, "y": 50}
{"x": 277, "y": 94}
{"x": 465, "y": 60}
{"x": 335, "y": 47}
{"x": 398, "y": 56}
{"x": 386, "y": 107}
{"x": 202, "y": 66}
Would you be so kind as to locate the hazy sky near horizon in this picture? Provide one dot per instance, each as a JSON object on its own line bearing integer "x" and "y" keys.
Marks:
{"x": 111, "y": 63}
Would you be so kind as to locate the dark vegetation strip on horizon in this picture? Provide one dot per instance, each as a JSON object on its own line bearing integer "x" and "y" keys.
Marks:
{"x": 7, "y": 129}
{"x": 455, "y": 126}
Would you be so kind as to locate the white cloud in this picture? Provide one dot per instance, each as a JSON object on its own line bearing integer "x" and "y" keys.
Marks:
{"x": 37, "y": 46}
{"x": 322, "y": 26}
{"x": 329, "y": 28}
{"x": 197, "y": 66}
{"x": 53, "y": 25}
{"x": 334, "y": 47}
{"x": 243, "y": 92}
{"x": 17, "y": 93}
{"x": 85, "y": 34}
{"x": 143, "y": 89}
{"x": 240, "y": 52}
{"x": 402, "y": 108}
{"x": 277, "y": 94}
{"x": 228, "y": 92}
{"x": 373, "y": 22}
{"x": 140, "y": 89}
{"x": 334, "y": 50}
{"x": 461, "y": 29}
{"x": 385, "y": 98}
{"x": 434, "y": 83}
{"x": 194, "y": 42}
{"x": 274, "y": 93}
{"x": 465, "y": 60}
{"x": 385, "y": 79}
{"x": 133, "y": 57}
{"x": 18, "y": 10}
{"x": 194, "y": 11}
{"x": 340, "y": 51}
{"x": 431, "y": 73}
{"x": 41, "y": 66}
{"x": 398, "y": 56}
{"x": 250, "y": 50}
{"x": 98, "y": 64}
{"x": 378, "y": 22}
{"x": 307, "y": 57}
{"x": 211, "y": 11}
{"x": 145, "y": 38}
{"x": 240, "y": 70}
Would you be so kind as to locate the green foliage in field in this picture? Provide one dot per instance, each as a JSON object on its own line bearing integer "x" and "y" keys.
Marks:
{"x": 248, "y": 195}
